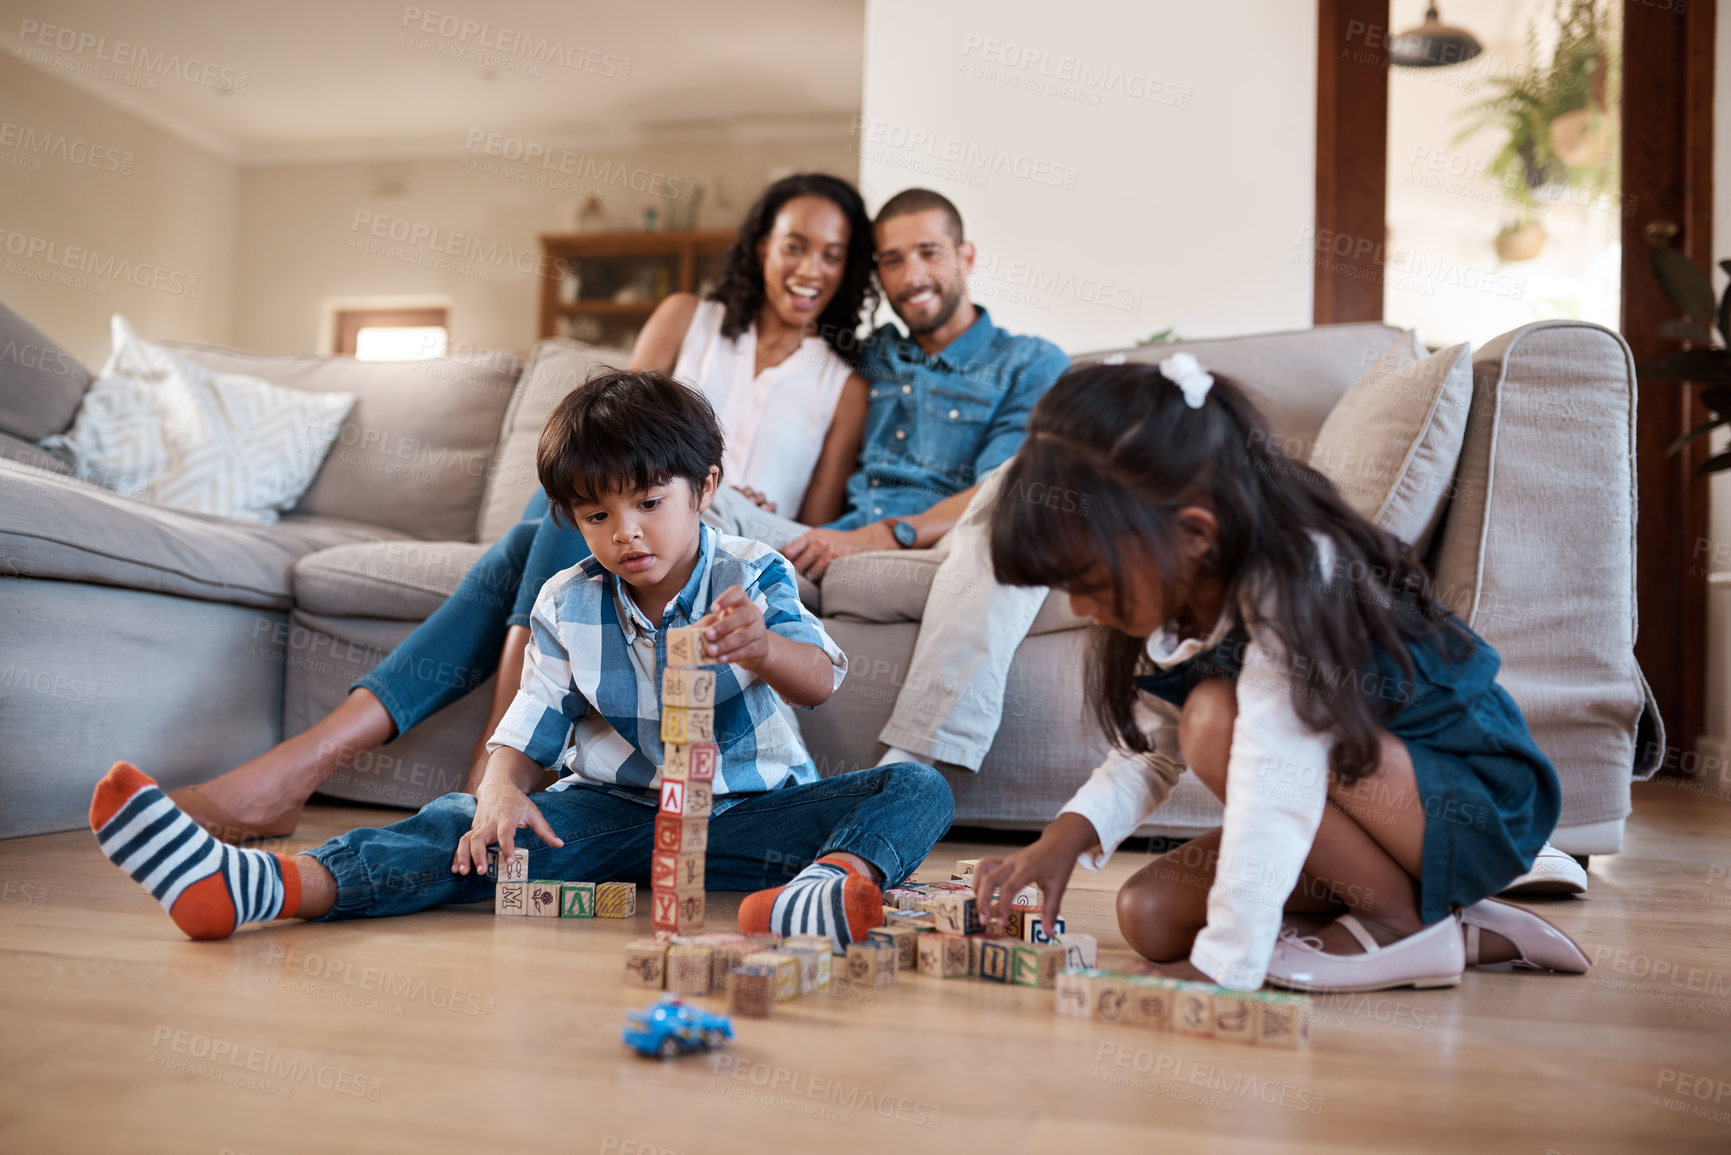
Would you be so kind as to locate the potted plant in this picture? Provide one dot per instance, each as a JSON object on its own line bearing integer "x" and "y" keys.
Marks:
{"x": 1708, "y": 363}
{"x": 1561, "y": 133}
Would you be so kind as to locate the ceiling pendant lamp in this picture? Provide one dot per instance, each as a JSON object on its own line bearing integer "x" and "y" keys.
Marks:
{"x": 1433, "y": 44}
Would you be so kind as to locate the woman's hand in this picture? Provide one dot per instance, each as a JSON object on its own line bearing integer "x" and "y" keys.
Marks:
{"x": 1047, "y": 864}
{"x": 501, "y": 809}
{"x": 733, "y": 630}
{"x": 757, "y": 498}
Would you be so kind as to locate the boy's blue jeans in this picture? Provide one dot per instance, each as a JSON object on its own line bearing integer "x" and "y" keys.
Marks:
{"x": 457, "y": 647}
{"x": 891, "y": 816}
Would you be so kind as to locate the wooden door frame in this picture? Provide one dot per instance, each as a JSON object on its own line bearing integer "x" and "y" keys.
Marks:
{"x": 1667, "y": 174}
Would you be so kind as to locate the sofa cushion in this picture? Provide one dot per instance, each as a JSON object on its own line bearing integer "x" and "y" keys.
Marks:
{"x": 556, "y": 367}
{"x": 1296, "y": 377}
{"x": 17, "y": 449}
{"x": 1391, "y": 445}
{"x": 395, "y": 580}
{"x": 41, "y": 384}
{"x": 892, "y": 587}
{"x": 64, "y": 529}
{"x": 413, "y": 455}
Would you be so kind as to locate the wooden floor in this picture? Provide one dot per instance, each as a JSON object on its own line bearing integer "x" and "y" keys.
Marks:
{"x": 455, "y": 1031}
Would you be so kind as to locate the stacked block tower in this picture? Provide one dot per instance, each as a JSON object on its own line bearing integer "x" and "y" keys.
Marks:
{"x": 687, "y": 786}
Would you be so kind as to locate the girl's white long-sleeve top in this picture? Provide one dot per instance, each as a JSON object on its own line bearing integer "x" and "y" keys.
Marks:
{"x": 1276, "y": 786}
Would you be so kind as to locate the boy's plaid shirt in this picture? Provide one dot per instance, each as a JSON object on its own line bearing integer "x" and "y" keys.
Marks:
{"x": 587, "y": 707}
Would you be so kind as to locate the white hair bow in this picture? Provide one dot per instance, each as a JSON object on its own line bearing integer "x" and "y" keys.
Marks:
{"x": 1187, "y": 373}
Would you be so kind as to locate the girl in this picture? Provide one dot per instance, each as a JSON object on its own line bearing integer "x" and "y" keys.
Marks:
{"x": 1376, "y": 779}
{"x": 773, "y": 350}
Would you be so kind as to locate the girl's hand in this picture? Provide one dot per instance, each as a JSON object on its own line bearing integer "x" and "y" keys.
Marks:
{"x": 501, "y": 809}
{"x": 757, "y": 498}
{"x": 1048, "y": 864}
{"x": 734, "y": 630}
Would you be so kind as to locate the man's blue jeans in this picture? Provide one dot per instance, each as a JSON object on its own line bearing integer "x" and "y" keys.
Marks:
{"x": 891, "y": 816}
{"x": 457, "y": 647}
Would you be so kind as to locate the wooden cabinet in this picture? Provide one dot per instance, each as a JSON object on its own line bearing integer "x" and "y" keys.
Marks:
{"x": 607, "y": 284}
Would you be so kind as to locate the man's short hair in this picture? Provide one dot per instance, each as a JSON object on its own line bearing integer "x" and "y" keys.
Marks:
{"x": 921, "y": 200}
{"x": 625, "y": 430}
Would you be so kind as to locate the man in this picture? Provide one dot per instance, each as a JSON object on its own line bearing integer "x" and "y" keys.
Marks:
{"x": 949, "y": 404}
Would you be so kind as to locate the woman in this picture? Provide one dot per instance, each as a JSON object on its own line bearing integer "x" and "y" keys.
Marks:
{"x": 776, "y": 337}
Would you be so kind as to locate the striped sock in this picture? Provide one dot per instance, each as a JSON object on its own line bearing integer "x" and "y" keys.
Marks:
{"x": 207, "y": 887}
{"x": 828, "y": 897}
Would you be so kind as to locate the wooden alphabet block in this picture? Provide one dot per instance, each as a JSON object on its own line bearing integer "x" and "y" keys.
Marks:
{"x": 965, "y": 867}
{"x": 944, "y": 956}
{"x": 645, "y": 963}
{"x": 687, "y": 687}
{"x": 1193, "y": 1011}
{"x": 576, "y": 900}
{"x": 1034, "y": 928}
{"x": 916, "y": 919}
{"x": 689, "y": 967}
{"x": 1080, "y": 950}
{"x": 685, "y": 646}
{"x": 866, "y": 964}
{"x": 1235, "y": 1016}
{"x": 995, "y": 960}
{"x": 542, "y": 898}
{"x": 615, "y": 900}
{"x": 1149, "y": 1004}
{"x": 724, "y": 958}
{"x": 975, "y": 941}
{"x": 516, "y": 870}
{"x": 681, "y": 835}
{"x": 687, "y": 725}
{"x": 1283, "y": 1021}
{"x": 821, "y": 949}
{"x": 1074, "y": 993}
{"x": 1036, "y": 964}
{"x": 1111, "y": 997}
{"x": 955, "y": 914}
{"x": 669, "y": 871}
{"x": 511, "y": 898}
{"x": 676, "y": 911}
{"x": 813, "y": 968}
{"x": 1028, "y": 896}
{"x": 686, "y": 799}
{"x": 690, "y": 762}
{"x": 751, "y": 991}
{"x": 783, "y": 969}
{"x": 903, "y": 940}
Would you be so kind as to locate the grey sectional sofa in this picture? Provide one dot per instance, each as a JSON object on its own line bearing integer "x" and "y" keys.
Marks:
{"x": 189, "y": 643}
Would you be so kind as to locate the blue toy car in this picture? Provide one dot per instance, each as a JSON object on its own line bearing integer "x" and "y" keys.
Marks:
{"x": 673, "y": 1025}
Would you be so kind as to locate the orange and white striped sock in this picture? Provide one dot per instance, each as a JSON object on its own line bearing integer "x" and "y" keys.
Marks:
{"x": 831, "y": 896}
{"x": 208, "y": 887}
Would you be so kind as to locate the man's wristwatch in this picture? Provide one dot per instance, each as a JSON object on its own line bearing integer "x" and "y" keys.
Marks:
{"x": 907, "y": 534}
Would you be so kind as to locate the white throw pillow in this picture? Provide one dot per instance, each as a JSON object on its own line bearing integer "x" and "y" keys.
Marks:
{"x": 156, "y": 426}
{"x": 1390, "y": 445}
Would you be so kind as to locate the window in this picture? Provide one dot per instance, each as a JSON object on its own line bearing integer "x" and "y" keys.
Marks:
{"x": 391, "y": 334}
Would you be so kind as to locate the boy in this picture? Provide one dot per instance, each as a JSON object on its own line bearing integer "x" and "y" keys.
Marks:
{"x": 632, "y": 459}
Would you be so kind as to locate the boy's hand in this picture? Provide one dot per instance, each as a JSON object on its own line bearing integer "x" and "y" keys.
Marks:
{"x": 734, "y": 630}
{"x": 501, "y": 809}
{"x": 1048, "y": 864}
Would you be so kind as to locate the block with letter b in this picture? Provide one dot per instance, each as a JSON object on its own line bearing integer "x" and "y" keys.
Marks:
{"x": 690, "y": 762}
{"x": 687, "y": 725}
{"x": 681, "y": 835}
{"x": 687, "y": 687}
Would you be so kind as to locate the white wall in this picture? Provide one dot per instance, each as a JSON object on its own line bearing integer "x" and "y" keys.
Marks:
{"x": 147, "y": 230}
{"x": 1122, "y": 167}
{"x": 303, "y": 242}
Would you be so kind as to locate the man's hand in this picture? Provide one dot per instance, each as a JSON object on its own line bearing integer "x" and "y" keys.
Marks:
{"x": 1048, "y": 864}
{"x": 501, "y": 809}
{"x": 733, "y": 630}
{"x": 813, "y": 551}
{"x": 757, "y": 498}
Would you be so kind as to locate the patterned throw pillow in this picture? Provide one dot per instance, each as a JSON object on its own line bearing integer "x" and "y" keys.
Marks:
{"x": 156, "y": 426}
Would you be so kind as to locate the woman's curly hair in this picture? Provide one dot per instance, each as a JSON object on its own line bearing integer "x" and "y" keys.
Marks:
{"x": 741, "y": 289}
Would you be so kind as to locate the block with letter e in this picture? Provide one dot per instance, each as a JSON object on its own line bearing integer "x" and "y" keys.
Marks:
{"x": 690, "y": 762}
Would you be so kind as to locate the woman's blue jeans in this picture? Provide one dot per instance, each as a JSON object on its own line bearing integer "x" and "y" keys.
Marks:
{"x": 457, "y": 647}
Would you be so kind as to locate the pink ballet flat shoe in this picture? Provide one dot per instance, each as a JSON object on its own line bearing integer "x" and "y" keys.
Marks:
{"x": 1554, "y": 872}
{"x": 1543, "y": 947}
{"x": 1434, "y": 957}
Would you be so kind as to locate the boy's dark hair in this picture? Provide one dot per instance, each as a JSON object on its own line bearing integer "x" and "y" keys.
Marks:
{"x": 625, "y": 429}
{"x": 921, "y": 200}
{"x": 740, "y": 290}
{"x": 1113, "y": 452}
